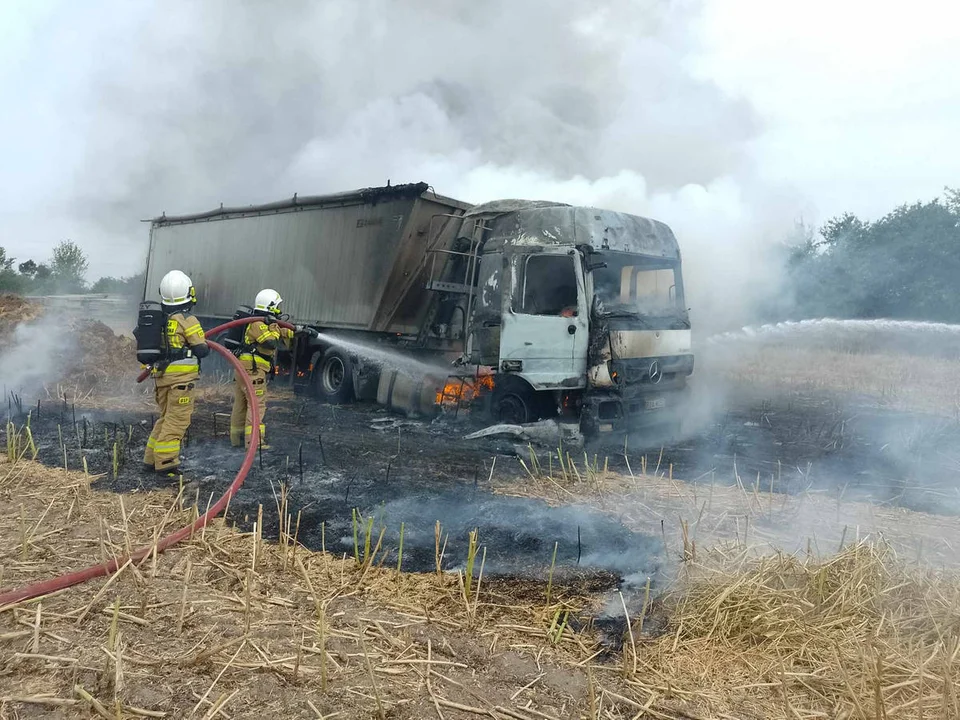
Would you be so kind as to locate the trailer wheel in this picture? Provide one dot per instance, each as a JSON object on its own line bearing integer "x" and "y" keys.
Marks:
{"x": 513, "y": 401}
{"x": 334, "y": 377}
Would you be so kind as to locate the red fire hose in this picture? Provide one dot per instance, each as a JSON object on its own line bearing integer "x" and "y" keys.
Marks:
{"x": 45, "y": 587}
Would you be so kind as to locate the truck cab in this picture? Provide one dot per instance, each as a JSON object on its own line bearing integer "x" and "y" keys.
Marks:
{"x": 580, "y": 311}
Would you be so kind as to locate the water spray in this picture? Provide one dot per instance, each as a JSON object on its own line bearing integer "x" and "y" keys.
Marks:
{"x": 809, "y": 327}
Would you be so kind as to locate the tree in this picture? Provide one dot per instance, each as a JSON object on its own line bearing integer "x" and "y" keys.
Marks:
{"x": 132, "y": 285}
{"x": 69, "y": 267}
{"x": 952, "y": 200}
{"x": 904, "y": 265}
{"x": 28, "y": 268}
{"x": 5, "y": 262}
{"x": 10, "y": 281}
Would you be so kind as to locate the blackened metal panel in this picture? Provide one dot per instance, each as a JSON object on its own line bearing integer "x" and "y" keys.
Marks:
{"x": 405, "y": 302}
{"x": 330, "y": 264}
{"x": 514, "y": 225}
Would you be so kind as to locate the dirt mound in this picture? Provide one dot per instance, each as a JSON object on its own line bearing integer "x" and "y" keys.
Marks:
{"x": 102, "y": 358}
{"x": 88, "y": 355}
{"x": 15, "y": 309}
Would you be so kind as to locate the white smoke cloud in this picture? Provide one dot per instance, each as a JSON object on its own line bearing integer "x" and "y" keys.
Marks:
{"x": 187, "y": 105}
{"x": 31, "y": 356}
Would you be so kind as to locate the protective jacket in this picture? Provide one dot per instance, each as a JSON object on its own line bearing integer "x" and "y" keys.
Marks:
{"x": 185, "y": 343}
{"x": 261, "y": 341}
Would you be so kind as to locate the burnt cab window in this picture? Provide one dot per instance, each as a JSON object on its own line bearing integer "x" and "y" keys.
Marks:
{"x": 549, "y": 286}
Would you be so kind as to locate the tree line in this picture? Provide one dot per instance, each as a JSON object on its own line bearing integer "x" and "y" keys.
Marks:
{"x": 64, "y": 273}
{"x": 903, "y": 266}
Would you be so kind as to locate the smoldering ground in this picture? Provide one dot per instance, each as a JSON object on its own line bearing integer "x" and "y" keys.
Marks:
{"x": 426, "y": 473}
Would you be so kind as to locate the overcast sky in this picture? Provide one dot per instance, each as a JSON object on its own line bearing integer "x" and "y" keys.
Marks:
{"x": 729, "y": 119}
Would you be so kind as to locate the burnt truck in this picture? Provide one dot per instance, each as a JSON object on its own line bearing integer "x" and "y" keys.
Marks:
{"x": 538, "y": 309}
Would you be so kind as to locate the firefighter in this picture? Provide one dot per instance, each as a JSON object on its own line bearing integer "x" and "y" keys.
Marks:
{"x": 175, "y": 374}
{"x": 258, "y": 349}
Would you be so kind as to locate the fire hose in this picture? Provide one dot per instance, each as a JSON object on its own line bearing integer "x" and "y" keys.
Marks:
{"x": 45, "y": 587}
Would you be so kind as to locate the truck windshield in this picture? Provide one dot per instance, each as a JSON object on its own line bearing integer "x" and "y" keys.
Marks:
{"x": 635, "y": 285}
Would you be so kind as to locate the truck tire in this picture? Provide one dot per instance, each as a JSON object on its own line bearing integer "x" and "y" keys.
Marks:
{"x": 513, "y": 401}
{"x": 333, "y": 377}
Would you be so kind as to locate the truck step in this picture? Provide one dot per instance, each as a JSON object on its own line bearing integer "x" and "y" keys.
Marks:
{"x": 448, "y": 287}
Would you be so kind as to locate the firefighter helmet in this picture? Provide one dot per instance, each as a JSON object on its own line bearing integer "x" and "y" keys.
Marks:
{"x": 268, "y": 301}
{"x": 177, "y": 289}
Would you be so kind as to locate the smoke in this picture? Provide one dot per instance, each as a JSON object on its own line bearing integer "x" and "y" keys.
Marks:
{"x": 183, "y": 106}
{"x": 32, "y": 353}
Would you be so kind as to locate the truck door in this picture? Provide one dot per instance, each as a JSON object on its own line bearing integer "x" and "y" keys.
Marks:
{"x": 544, "y": 333}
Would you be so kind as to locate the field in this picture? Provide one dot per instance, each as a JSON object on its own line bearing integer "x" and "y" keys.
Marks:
{"x": 793, "y": 555}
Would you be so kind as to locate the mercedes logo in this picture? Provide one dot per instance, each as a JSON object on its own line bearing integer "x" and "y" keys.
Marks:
{"x": 655, "y": 375}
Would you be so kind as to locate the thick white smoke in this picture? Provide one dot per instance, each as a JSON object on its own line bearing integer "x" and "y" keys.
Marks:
{"x": 32, "y": 356}
{"x": 183, "y": 106}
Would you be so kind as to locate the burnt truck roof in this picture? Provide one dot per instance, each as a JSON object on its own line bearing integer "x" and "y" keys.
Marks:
{"x": 371, "y": 195}
{"x": 516, "y": 223}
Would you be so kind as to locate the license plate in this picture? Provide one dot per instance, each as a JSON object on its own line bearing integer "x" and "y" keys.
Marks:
{"x": 655, "y": 403}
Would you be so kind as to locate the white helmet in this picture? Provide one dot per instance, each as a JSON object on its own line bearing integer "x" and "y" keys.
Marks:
{"x": 177, "y": 289}
{"x": 268, "y": 301}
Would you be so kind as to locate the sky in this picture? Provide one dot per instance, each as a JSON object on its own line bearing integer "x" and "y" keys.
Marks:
{"x": 728, "y": 119}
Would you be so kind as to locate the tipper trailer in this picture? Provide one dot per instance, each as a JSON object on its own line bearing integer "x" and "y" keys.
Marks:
{"x": 555, "y": 309}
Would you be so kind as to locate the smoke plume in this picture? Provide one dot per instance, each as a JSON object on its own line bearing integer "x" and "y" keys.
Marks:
{"x": 183, "y": 106}
{"x": 32, "y": 356}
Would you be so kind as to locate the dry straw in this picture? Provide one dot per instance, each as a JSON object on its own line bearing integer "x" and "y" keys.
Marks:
{"x": 234, "y": 625}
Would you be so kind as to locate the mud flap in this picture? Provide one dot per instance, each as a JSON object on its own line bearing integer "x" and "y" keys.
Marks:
{"x": 366, "y": 380}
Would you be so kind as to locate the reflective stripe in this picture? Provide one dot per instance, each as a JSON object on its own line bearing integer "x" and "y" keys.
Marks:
{"x": 259, "y": 360}
{"x": 268, "y": 335}
{"x": 180, "y": 367}
{"x": 248, "y": 430}
{"x": 194, "y": 330}
{"x": 170, "y": 446}
{"x": 151, "y": 442}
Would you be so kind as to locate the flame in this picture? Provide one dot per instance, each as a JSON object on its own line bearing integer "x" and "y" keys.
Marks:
{"x": 463, "y": 390}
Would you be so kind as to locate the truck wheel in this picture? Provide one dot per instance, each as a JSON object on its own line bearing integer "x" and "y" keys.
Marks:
{"x": 334, "y": 377}
{"x": 513, "y": 401}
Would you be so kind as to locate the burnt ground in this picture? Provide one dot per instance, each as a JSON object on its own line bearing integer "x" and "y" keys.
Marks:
{"x": 360, "y": 458}
{"x": 414, "y": 473}
{"x": 398, "y": 470}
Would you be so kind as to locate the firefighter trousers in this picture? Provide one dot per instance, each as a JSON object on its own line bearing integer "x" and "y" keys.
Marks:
{"x": 241, "y": 424}
{"x": 176, "y": 410}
